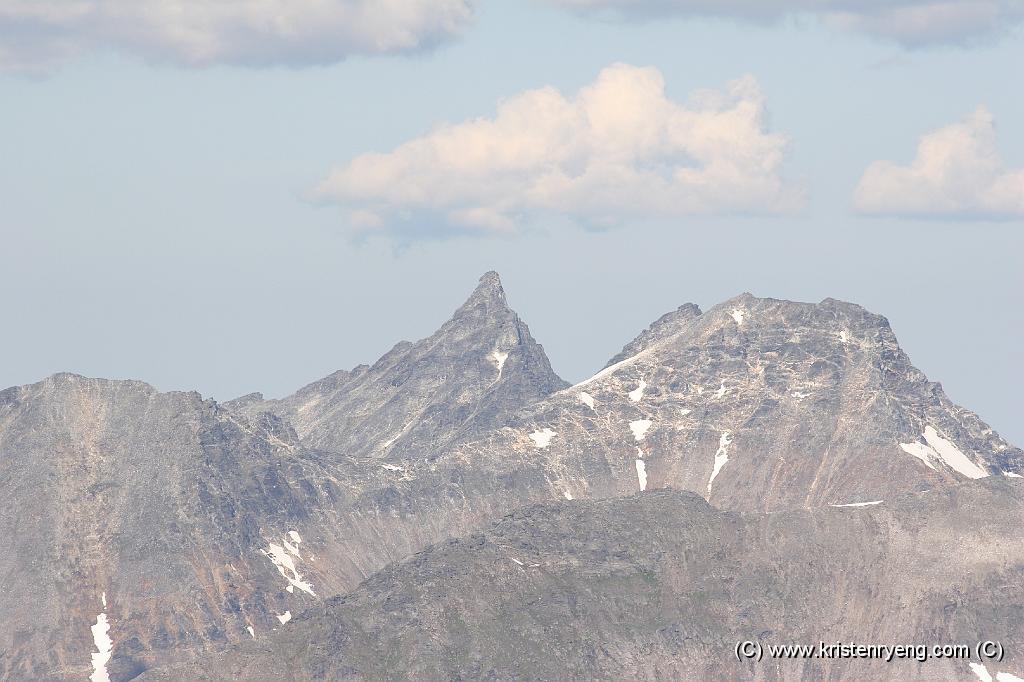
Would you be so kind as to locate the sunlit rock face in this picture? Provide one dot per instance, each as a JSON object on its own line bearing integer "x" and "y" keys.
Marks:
{"x": 464, "y": 380}
{"x": 149, "y": 519}
{"x": 757, "y": 404}
{"x": 144, "y": 529}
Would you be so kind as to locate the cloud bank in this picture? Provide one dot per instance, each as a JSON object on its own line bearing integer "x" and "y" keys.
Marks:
{"x": 957, "y": 173}
{"x": 913, "y": 23}
{"x": 36, "y": 35}
{"x": 618, "y": 150}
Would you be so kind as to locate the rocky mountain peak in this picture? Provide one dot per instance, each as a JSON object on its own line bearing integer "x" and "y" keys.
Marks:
{"x": 489, "y": 286}
{"x": 470, "y": 375}
{"x": 758, "y": 404}
{"x": 486, "y": 302}
{"x": 190, "y": 526}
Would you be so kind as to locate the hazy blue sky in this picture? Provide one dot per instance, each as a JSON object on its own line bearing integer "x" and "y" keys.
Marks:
{"x": 195, "y": 213}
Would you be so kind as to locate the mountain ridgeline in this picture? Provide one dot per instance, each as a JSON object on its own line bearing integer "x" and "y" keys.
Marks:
{"x": 464, "y": 380}
{"x": 627, "y": 527}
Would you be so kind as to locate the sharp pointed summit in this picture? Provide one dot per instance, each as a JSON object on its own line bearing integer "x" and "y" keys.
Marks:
{"x": 484, "y": 306}
{"x": 488, "y": 290}
{"x": 465, "y": 379}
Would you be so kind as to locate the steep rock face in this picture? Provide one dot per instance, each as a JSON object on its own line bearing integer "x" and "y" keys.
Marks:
{"x": 160, "y": 517}
{"x": 757, "y": 404}
{"x": 783, "y": 406}
{"x": 662, "y": 586}
{"x": 173, "y": 506}
{"x": 464, "y": 380}
{"x": 666, "y": 326}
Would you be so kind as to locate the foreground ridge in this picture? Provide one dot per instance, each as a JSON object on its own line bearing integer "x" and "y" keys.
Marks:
{"x": 663, "y": 585}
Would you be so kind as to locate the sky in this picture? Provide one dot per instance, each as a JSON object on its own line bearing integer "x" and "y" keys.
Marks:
{"x": 252, "y": 196}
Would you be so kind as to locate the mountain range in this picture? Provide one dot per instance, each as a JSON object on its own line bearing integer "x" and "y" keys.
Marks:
{"x": 764, "y": 469}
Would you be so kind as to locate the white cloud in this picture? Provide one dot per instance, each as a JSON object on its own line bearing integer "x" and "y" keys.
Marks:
{"x": 910, "y": 22}
{"x": 38, "y": 34}
{"x": 957, "y": 173}
{"x": 618, "y": 150}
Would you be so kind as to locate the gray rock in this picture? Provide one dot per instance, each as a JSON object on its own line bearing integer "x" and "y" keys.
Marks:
{"x": 757, "y": 404}
{"x": 464, "y": 380}
{"x": 818, "y": 406}
{"x": 661, "y": 586}
{"x": 173, "y": 506}
{"x": 154, "y": 509}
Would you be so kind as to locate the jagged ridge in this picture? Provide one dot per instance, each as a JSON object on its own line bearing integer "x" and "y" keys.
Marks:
{"x": 462, "y": 381}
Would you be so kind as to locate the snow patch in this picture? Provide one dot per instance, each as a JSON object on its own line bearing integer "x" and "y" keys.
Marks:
{"x": 608, "y": 370}
{"x": 520, "y": 563}
{"x": 683, "y": 412}
{"x": 291, "y": 548}
{"x": 296, "y": 538}
{"x": 938, "y": 448}
{"x": 799, "y": 395}
{"x": 639, "y": 428}
{"x": 104, "y": 645}
{"x": 567, "y": 494}
{"x": 286, "y": 565}
{"x": 721, "y": 457}
{"x": 252, "y": 633}
{"x": 921, "y": 451}
{"x": 641, "y": 474}
{"x": 737, "y": 315}
{"x": 1012, "y": 475}
{"x": 542, "y": 438}
{"x": 499, "y": 360}
{"x": 983, "y": 674}
{"x": 637, "y": 394}
{"x": 699, "y": 389}
{"x": 981, "y": 671}
{"x": 285, "y": 617}
{"x": 843, "y": 338}
{"x": 103, "y": 598}
{"x": 392, "y": 467}
{"x": 857, "y": 504}
{"x": 953, "y": 458}
{"x": 587, "y": 399}
{"x": 721, "y": 390}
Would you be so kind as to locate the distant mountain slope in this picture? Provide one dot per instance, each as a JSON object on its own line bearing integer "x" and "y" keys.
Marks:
{"x": 844, "y": 442}
{"x": 757, "y": 404}
{"x": 159, "y": 517}
{"x": 800, "y": 405}
{"x": 661, "y": 586}
{"x": 197, "y": 521}
{"x": 465, "y": 379}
